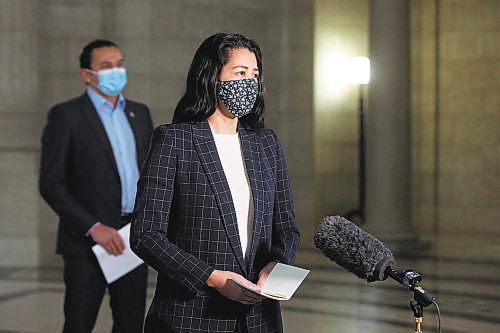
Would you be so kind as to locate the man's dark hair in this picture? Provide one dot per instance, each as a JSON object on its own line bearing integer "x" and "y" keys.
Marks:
{"x": 86, "y": 55}
{"x": 200, "y": 99}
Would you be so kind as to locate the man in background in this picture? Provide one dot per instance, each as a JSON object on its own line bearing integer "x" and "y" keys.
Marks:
{"x": 92, "y": 148}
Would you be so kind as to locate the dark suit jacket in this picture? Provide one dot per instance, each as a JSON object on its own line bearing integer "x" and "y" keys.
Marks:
{"x": 78, "y": 174}
{"x": 185, "y": 227}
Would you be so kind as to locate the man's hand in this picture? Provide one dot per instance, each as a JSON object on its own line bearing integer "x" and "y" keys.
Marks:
{"x": 264, "y": 273}
{"x": 222, "y": 281}
{"x": 108, "y": 238}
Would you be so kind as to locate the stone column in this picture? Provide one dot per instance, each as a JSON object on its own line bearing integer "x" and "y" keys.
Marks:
{"x": 388, "y": 126}
{"x": 289, "y": 105}
{"x": 20, "y": 126}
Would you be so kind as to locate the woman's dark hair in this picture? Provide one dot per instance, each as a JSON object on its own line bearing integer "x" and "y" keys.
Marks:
{"x": 200, "y": 99}
{"x": 86, "y": 55}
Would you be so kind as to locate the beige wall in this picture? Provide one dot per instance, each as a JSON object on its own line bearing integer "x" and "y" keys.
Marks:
{"x": 40, "y": 41}
{"x": 341, "y": 32}
{"x": 20, "y": 125}
{"x": 455, "y": 120}
{"x": 455, "y": 115}
{"x": 469, "y": 141}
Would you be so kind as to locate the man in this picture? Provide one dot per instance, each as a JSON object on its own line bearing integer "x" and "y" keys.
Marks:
{"x": 92, "y": 149}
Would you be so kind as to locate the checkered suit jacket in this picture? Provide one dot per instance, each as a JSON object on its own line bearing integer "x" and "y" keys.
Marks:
{"x": 184, "y": 226}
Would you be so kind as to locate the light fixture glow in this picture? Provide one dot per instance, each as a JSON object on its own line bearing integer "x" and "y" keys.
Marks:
{"x": 358, "y": 70}
{"x": 330, "y": 83}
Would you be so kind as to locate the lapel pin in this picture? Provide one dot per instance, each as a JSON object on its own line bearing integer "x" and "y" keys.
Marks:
{"x": 131, "y": 114}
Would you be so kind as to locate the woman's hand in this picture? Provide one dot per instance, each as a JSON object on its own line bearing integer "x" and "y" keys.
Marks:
{"x": 223, "y": 282}
{"x": 264, "y": 273}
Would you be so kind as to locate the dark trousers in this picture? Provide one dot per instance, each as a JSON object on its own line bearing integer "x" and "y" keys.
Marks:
{"x": 85, "y": 287}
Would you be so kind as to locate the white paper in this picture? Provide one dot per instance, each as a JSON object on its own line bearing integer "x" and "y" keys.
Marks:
{"x": 281, "y": 283}
{"x": 114, "y": 267}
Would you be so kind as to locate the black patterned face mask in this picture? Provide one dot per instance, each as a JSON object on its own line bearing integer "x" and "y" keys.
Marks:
{"x": 239, "y": 96}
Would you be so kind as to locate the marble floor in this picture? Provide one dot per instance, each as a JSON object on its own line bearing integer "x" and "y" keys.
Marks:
{"x": 463, "y": 274}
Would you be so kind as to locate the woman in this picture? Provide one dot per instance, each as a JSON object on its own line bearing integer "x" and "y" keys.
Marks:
{"x": 214, "y": 202}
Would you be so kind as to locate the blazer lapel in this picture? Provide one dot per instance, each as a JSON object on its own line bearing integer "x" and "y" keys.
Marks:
{"x": 207, "y": 151}
{"x": 91, "y": 114}
{"x": 252, "y": 155}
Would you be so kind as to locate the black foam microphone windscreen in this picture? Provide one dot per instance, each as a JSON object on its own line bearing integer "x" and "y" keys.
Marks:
{"x": 353, "y": 249}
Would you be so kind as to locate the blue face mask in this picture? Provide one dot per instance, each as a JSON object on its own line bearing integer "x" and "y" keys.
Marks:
{"x": 112, "y": 80}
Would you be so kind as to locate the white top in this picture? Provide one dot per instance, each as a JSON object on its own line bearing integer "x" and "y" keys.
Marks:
{"x": 231, "y": 157}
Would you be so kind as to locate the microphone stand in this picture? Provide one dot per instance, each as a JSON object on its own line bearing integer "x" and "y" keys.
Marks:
{"x": 410, "y": 279}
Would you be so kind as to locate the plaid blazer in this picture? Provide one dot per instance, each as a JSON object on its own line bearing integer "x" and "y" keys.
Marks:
{"x": 184, "y": 226}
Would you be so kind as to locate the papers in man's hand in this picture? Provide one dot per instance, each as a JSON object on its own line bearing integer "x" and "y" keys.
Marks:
{"x": 281, "y": 283}
{"x": 114, "y": 267}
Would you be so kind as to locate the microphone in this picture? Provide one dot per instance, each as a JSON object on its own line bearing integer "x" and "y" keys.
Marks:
{"x": 364, "y": 255}
{"x": 353, "y": 249}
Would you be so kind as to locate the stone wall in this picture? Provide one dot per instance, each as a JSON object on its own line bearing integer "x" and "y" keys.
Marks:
{"x": 40, "y": 42}
{"x": 455, "y": 131}
{"x": 341, "y": 32}
{"x": 456, "y": 117}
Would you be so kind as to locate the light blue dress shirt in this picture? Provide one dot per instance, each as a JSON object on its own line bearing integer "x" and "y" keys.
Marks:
{"x": 122, "y": 140}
